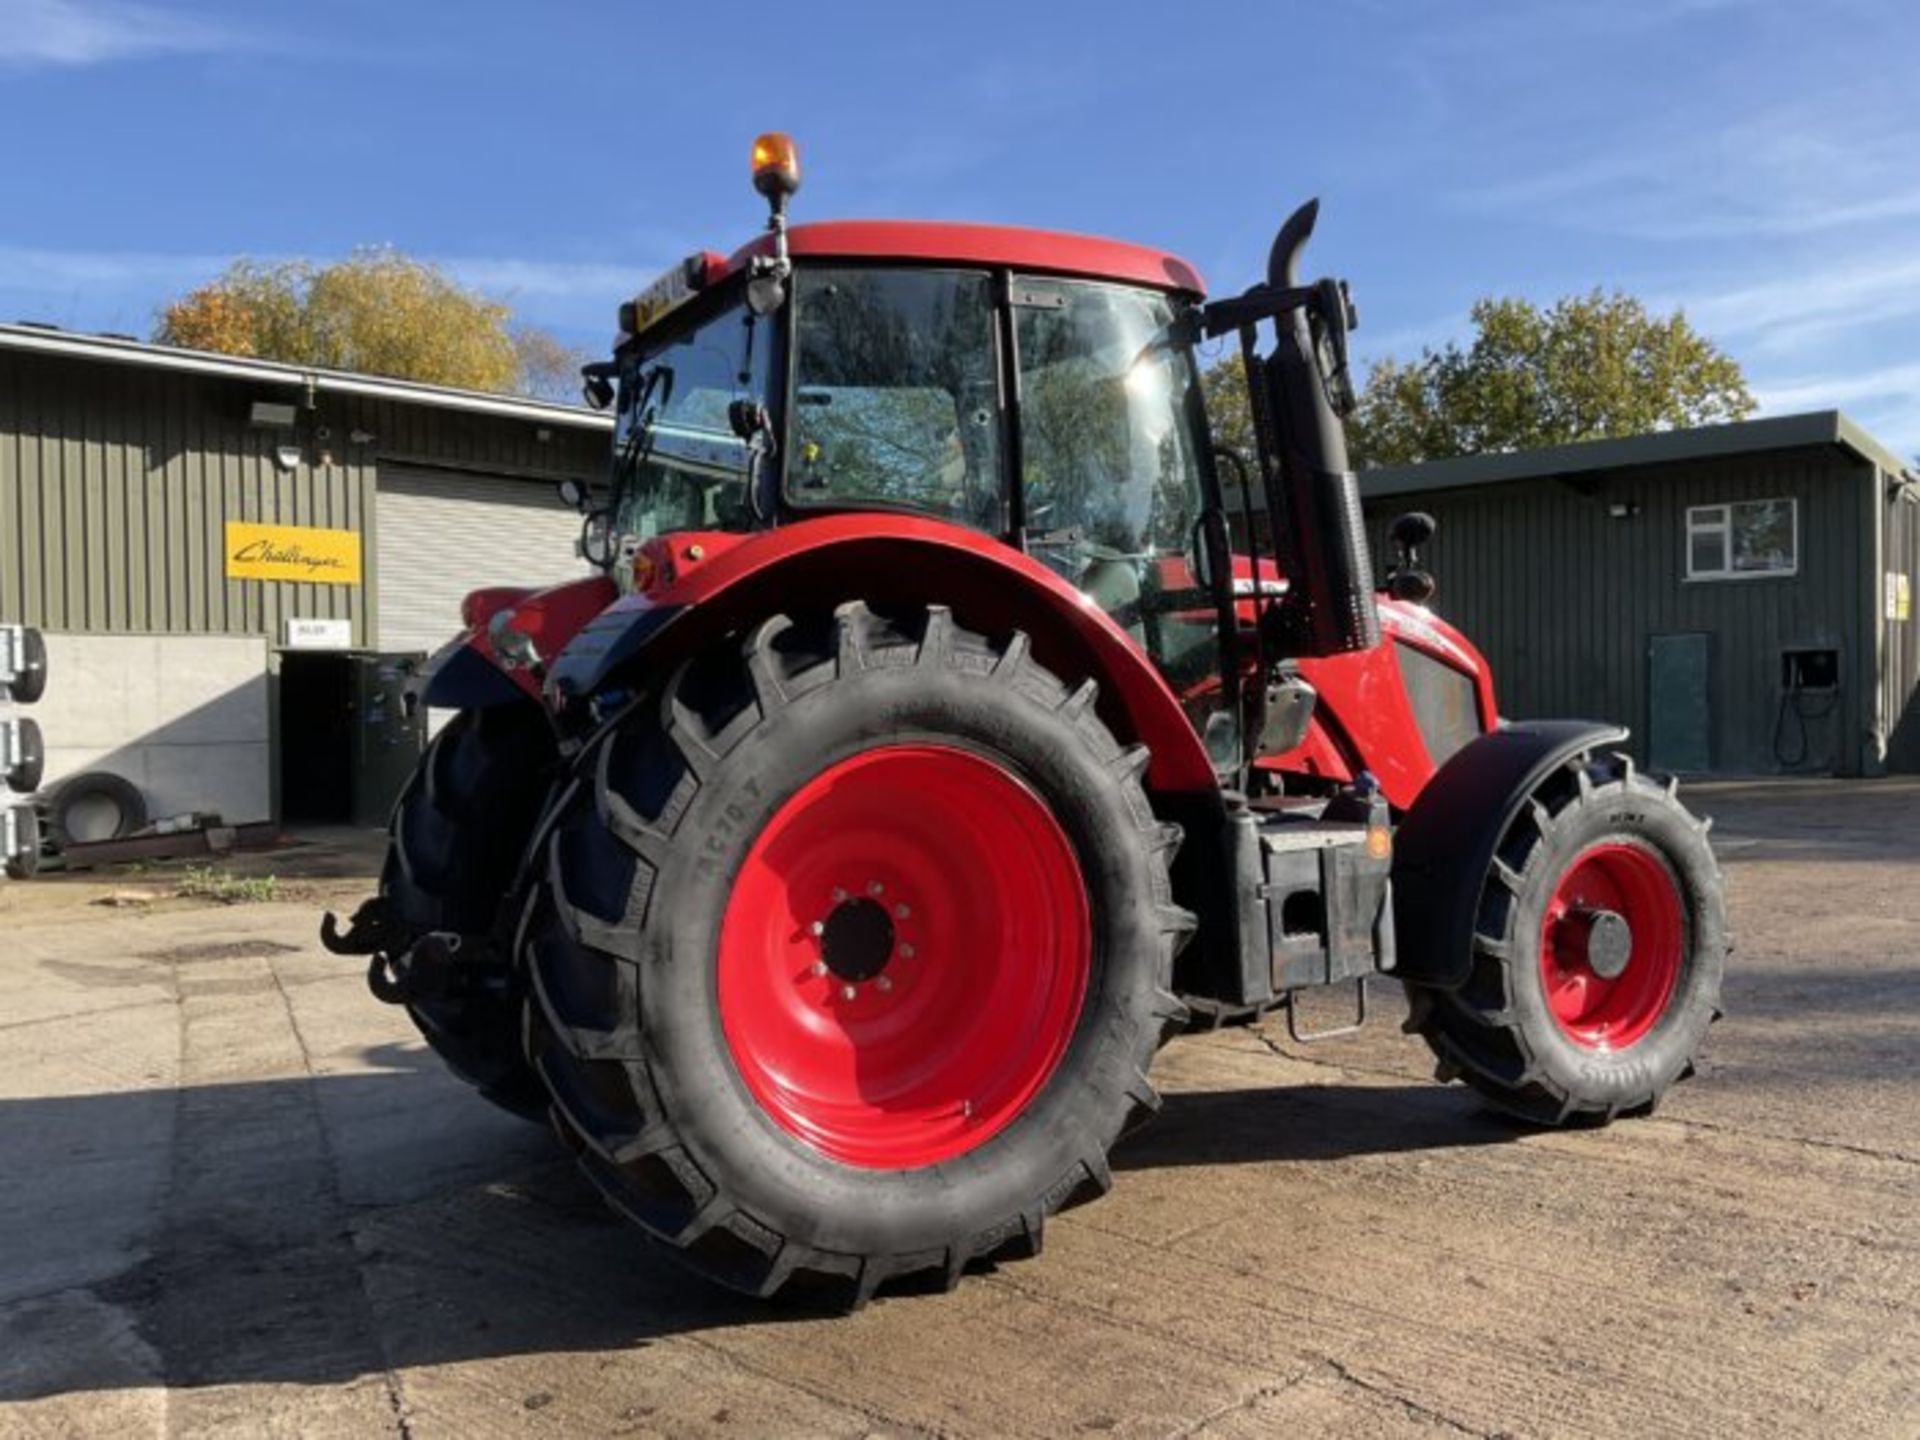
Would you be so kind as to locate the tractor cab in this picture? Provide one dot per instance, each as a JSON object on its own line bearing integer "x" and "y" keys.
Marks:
{"x": 980, "y": 382}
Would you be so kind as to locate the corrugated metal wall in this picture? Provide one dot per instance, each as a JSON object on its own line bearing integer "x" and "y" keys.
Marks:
{"x": 1565, "y": 600}
{"x": 488, "y": 531}
{"x": 1900, "y": 639}
{"x": 116, "y": 483}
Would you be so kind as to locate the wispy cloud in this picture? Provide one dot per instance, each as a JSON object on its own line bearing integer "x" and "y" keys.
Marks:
{"x": 1784, "y": 172}
{"x": 28, "y": 269}
{"x": 78, "y": 32}
{"x": 553, "y": 279}
{"x": 1788, "y": 311}
{"x": 1884, "y": 398}
{"x": 1875, "y": 386}
{"x": 117, "y": 288}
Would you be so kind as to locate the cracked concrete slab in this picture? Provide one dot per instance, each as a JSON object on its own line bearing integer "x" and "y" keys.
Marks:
{"x": 239, "y": 1196}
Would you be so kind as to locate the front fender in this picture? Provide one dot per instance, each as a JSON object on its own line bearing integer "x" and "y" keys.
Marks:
{"x": 1444, "y": 849}
{"x": 896, "y": 560}
{"x": 466, "y": 674}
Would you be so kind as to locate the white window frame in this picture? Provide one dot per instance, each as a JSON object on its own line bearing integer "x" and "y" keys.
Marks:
{"x": 1724, "y": 529}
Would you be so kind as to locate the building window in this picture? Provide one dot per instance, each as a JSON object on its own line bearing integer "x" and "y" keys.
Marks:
{"x": 1743, "y": 540}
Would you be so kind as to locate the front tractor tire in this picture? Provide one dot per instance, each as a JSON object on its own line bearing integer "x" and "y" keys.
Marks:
{"x": 455, "y": 841}
{"x": 852, "y": 948}
{"x": 1599, "y": 947}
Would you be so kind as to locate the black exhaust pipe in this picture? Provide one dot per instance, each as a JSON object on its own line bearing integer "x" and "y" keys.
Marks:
{"x": 1300, "y": 394}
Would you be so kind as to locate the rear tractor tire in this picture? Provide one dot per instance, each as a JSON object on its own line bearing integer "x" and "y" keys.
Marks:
{"x": 457, "y": 835}
{"x": 1599, "y": 947}
{"x": 852, "y": 948}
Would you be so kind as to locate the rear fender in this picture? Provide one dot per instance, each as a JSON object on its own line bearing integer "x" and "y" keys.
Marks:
{"x": 466, "y": 674}
{"x": 1444, "y": 848}
{"x": 896, "y": 561}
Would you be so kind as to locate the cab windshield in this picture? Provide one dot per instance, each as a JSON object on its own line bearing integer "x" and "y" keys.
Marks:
{"x": 678, "y": 465}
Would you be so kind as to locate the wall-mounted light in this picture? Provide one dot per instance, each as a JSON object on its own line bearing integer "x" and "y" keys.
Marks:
{"x": 287, "y": 457}
{"x": 1622, "y": 509}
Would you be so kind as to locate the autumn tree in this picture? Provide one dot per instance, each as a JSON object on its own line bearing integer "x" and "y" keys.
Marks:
{"x": 549, "y": 369}
{"x": 378, "y": 312}
{"x": 1589, "y": 367}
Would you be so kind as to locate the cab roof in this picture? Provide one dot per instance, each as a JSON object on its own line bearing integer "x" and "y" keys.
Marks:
{"x": 958, "y": 243}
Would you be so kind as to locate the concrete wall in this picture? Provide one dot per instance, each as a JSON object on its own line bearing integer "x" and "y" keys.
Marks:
{"x": 184, "y": 718}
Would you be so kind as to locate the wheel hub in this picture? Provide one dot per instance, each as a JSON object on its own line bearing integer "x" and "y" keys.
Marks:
{"x": 1608, "y": 940}
{"x": 1611, "y": 945}
{"x": 856, "y": 940}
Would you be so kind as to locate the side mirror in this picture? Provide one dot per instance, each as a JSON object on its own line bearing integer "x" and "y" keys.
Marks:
{"x": 1412, "y": 530}
{"x": 597, "y": 544}
{"x": 1407, "y": 581}
{"x": 1212, "y": 549}
{"x": 748, "y": 419}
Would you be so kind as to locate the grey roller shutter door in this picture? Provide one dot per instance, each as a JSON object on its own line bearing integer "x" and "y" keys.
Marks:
{"x": 442, "y": 535}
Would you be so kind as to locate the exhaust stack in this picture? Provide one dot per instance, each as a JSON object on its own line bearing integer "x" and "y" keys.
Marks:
{"x": 1300, "y": 394}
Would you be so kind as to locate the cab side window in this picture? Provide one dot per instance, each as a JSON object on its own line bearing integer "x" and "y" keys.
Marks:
{"x": 896, "y": 394}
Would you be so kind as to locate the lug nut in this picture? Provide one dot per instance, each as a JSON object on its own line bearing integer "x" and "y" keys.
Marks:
{"x": 817, "y": 928}
{"x": 819, "y": 967}
{"x": 906, "y": 952}
{"x": 901, "y": 912}
{"x": 883, "y": 984}
{"x": 847, "y": 992}
{"x": 876, "y": 888}
{"x": 838, "y": 894}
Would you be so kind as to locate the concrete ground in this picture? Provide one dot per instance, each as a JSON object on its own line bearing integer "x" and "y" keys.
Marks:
{"x": 236, "y": 1195}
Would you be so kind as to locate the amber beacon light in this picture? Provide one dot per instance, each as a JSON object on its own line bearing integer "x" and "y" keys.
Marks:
{"x": 776, "y": 165}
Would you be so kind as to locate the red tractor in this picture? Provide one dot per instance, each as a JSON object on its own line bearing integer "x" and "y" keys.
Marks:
{"x": 830, "y": 868}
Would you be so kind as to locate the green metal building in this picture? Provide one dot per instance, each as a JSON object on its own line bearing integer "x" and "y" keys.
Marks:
{"x": 1739, "y": 595}
{"x": 221, "y": 549}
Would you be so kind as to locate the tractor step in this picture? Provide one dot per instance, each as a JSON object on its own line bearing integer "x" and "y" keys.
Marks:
{"x": 1305, "y": 1035}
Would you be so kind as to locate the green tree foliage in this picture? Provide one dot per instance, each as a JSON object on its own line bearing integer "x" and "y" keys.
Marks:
{"x": 1224, "y": 383}
{"x": 378, "y": 312}
{"x": 1589, "y": 367}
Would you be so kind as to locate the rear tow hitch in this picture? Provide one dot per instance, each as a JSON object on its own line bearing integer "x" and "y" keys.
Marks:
{"x": 405, "y": 967}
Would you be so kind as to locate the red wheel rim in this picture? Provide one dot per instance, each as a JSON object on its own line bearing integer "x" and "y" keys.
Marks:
{"x": 904, "y": 956}
{"x": 1610, "y": 945}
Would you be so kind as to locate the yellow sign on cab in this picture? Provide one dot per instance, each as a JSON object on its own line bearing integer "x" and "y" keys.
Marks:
{"x": 292, "y": 552}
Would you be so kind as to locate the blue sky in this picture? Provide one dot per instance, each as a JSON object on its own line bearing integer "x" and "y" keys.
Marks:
{"x": 1757, "y": 161}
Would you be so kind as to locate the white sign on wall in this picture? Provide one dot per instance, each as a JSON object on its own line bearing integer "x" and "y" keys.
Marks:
{"x": 319, "y": 634}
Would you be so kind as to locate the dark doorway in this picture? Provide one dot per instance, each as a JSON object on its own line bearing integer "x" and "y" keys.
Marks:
{"x": 347, "y": 741}
{"x": 316, "y": 739}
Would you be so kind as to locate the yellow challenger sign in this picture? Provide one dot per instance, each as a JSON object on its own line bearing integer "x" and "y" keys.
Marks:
{"x": 292, "y": 552}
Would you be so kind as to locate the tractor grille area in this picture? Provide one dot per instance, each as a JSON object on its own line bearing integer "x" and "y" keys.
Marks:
{"x": 1444, "y": 705}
